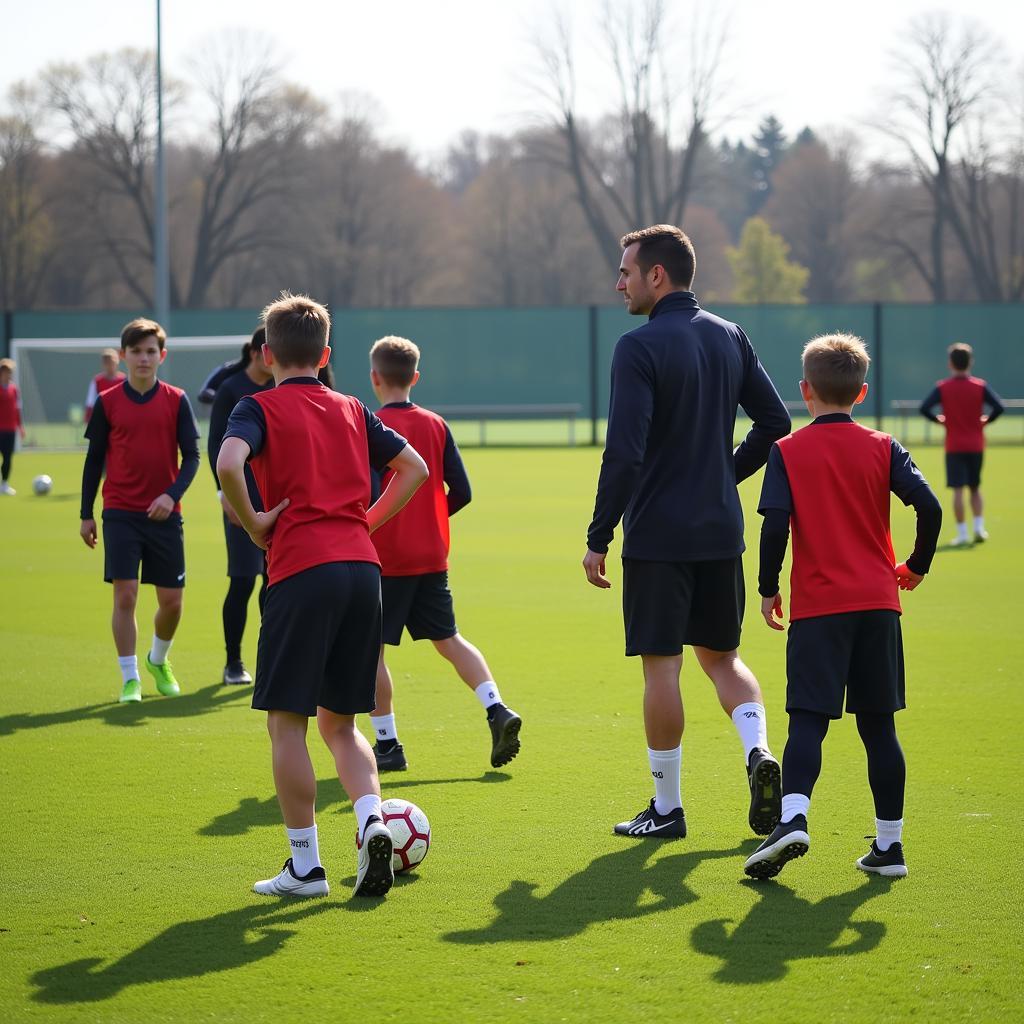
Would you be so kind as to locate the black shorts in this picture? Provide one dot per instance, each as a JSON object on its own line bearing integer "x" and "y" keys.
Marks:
{"x": 244, "y": 557}
{"x": 670, "y": 605}
{"x": 421, "y": 604}
{"x": 963, "y": 469}
{"x": 320, "y": 641}
{"x": 131, "y": 538}
{"x": 860, "y": 653}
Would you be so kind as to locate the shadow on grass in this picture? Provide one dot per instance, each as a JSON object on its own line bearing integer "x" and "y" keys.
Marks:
{"x": 939, "y": 548}
{"x": 188, "y": 950}
{"x": 782, "y": 927}
{"x": 614, "y": 886}
{"x": 252, "y": 812}
{"x": 152, "y": 708}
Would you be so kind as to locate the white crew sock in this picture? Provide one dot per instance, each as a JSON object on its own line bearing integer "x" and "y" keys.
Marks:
{"x": 979, "y": 524}
{"x": 129, "y": 667}
{"x": 752, "y": 724}
{"x": 364, "y": 807}
{"x": 961, "y": 531}
{"x": 792, "y": 805}
{"x": 384, "y": 726}
{"x": 305, "y": 852}
{"x": 888, "y": 832}
{"x": 158, "y": 652}
{"x": 665, "y": 767}
{"x": 487, "y": 693}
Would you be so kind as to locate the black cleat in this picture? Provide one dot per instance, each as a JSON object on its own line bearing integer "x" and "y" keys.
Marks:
{"x": 391, "y": 759}
{"x": 764, "y": 776}
{"x": 649, "y": 824}
{"x": 235, "y": 674}
{"x": 374, "y": 872}
{"x": 784, "y": 844}
{"x": 505, "y": 725}
{"x": 891, "y": 863}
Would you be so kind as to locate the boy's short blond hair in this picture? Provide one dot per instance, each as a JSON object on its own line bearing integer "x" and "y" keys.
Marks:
{"x": 7, "y": 364}
{"x": 297, "y": 330}
{"x": 961, "y": 355}
{"x": 111, "y": 353}
{"x": 835, "y": 365}
{"x": 395, "y": 359}
{"x": 141, "y": 327}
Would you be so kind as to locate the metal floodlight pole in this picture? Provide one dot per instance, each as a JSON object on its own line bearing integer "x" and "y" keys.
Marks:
{"x": 161, "y": 260}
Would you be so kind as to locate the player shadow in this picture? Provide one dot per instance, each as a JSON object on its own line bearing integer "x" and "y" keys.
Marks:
{"x": 958, "y": 548}
{"x": 614, "y": 886}
{"x": 189, "y": 949}
{"x": 783, "y": 927}
{"x": 252, "y": 812}
{"x": 152, "y": 708}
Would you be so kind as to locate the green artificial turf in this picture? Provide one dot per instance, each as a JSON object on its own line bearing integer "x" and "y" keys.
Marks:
{"x": 132, "y": 834}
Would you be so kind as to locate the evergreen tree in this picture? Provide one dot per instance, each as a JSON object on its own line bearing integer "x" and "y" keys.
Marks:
{"x": 762, "y": 268}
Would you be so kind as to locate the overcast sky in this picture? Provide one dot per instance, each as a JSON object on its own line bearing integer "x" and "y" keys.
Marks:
{"x": 438, "y": 68}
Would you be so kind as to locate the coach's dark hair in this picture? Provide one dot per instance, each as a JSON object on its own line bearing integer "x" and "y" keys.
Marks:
{"x": 139, "y": 329}
{"x": 395, "y": 359}
{"x": 297, "y": 330}
{"x": 253, "y": 346}
{"x": 667, "y": 246}
{"x": 835, "y": 365}
{"x": 961, "y": 356}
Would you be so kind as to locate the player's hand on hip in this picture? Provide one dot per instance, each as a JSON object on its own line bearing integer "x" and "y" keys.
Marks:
{"x": 593, "y": 566}
{"x": 160, "y": 508}
{"x": 88, "y": 532}
{"x": 264, "y": 525}
{"x": 771, "y": 609}
{"x": 229, "y": 511}
{"x": 906, "y": 578}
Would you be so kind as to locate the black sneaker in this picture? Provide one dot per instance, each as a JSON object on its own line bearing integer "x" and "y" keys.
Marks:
{"x": 505, "y": 725}
{"x": 649, "y": 824}
{"x": 764, "y": 776}
{"x": 784, "y": 844}
{"x": 375, "y": 873}
{"x": 390, "y": 759}
{"x": 235, "y": 674}
{"x": 891, "y": 863}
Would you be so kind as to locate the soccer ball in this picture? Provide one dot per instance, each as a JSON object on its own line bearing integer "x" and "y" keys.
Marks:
{"x": 42, "y": 484}
{"x": 410, "y": 833}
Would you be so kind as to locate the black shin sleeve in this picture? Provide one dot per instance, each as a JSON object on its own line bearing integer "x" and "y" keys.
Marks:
{"x": 801, "y": 762}
{"x": 887, "y": 770}
{"x": 236, "y": 605}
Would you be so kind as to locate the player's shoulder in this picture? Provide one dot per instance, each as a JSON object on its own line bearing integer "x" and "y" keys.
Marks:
{"x": 170, "y": 390}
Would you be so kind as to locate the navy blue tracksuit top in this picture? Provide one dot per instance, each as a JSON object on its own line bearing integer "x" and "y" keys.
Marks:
{"x": 669, "y": 469}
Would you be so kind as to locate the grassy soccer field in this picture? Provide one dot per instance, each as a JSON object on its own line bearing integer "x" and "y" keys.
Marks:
{"x": 132, "y": 834}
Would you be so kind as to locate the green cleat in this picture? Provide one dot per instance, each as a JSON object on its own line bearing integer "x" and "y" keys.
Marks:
{"x": 165, "y": 681}
{"x": 132, "y": 691}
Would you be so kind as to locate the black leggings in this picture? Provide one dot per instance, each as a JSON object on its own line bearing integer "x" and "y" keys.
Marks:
{"x": 236, "y": 608}
{"x": 6, "y": 451}
{"x": 887, "y": 770}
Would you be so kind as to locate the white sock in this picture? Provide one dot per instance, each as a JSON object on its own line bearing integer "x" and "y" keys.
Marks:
{"x": 305, "y": 852}
{"x": 665, "y": 767}
{"x": 792, "y": 805}
{"x": 752, "y": 724}
{"x": 384, "y": 726}
{"x": 158, "y": 652}
{"x": 889, "y": 832}
{"x": 487, "y": 693}
{"x": 364, "y": 807}
{"x": 961, "y": 531}
{"x": 979, "y": 524}
{"x": 129, "y": 667}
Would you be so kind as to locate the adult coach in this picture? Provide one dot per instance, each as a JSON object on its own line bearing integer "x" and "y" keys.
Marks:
{"x": 670, "y": 470}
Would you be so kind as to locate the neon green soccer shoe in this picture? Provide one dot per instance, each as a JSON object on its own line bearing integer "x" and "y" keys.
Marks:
{"x": 131, "y": 692}
{"x": 165, "y": 681}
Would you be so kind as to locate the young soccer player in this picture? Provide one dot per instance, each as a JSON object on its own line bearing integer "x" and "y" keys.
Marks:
{"x": 136, "y": 429}
{"x": 831, "y": 481}
{"x": 245, "y": 560}
{"x": 963, "y": 399}
{"x": 413, "y": 550}
{"x": 10, "y": 423}
{"x": 107, "y": 378}
{"x": 311, "y": 450}
{"x": 208, "y": 389}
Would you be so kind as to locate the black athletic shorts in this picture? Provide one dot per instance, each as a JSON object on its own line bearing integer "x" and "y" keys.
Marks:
{"x": 860, "y": 653}
{"x": 670, "y": 605}
{"x": 320, "y": 641}
{"x": 963, "y": 469}
{"x": 421, "y": 604}
{"x": 244, "y": 557}
{"x": 132, "y": 538}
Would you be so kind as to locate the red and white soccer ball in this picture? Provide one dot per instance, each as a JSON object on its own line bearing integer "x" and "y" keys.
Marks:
{"x": 410, "y": 833}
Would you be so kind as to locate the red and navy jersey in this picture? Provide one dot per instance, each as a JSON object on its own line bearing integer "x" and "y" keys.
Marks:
{"x": 138, "y": 437}
{"x": 417, "y": 540}
{"x": 100, "y": 383}
{"x": 10, "y": 408}
{"x": 963, "y": 400}
{"x": 315, "y": 447}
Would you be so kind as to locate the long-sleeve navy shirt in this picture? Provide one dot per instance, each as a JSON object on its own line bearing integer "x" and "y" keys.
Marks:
{"x": 669, "y": 470}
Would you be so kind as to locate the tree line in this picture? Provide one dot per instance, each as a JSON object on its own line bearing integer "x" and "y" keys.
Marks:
{"x": 270, "y": 187}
